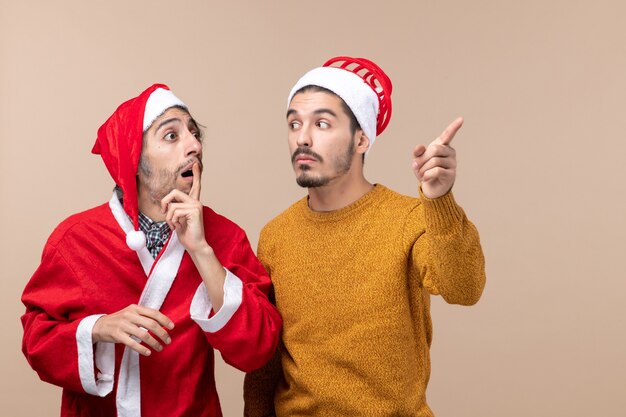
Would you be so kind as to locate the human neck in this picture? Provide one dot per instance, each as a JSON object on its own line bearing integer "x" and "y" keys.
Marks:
{"x": 338, "y": 194}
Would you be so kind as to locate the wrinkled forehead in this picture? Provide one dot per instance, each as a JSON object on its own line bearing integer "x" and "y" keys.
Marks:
{"x": 174, "y": 114}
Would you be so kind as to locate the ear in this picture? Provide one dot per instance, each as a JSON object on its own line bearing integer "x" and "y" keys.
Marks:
{"x": 362, "y": 142}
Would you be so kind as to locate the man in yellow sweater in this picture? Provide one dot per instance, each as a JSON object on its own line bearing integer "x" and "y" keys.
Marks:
{"x": 354, "y": 263}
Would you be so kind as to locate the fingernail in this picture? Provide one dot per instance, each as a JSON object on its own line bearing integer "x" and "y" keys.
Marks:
{"x": 147, "y": 352}
{"x": 168, "y": 340}
{"x": 170, "y": 325}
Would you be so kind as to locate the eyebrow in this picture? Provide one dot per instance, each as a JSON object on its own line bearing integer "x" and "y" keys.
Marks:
{"x": 167, "y": 121}
{"x": 192, "y": 122}
{"x": 316, "y": 112}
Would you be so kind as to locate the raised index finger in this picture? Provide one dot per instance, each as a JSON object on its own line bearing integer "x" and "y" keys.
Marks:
{"x": 446, "y": 137}
{"x": 195, "y": 185}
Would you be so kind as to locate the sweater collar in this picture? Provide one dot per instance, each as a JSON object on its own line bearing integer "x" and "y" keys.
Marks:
{"x": 351, "y": 209}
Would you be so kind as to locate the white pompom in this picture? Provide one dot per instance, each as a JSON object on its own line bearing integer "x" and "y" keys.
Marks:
{"x": 136, "y": 240}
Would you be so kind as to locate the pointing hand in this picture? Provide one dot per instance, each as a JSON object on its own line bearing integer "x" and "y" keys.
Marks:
{"x": 435, "y": 165}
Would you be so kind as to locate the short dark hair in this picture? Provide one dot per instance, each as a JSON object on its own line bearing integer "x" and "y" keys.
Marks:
{"x": 354, "y": 123}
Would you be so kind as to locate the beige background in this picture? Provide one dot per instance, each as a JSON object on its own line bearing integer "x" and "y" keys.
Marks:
{"x": 540, "y": 83}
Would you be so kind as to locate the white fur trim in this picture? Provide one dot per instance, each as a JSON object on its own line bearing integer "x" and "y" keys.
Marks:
{"x": 123, "y": 220}
{"x": 201, "y": 305}
{"x": 160, "y": 278}
{"x": 128, "y": 397}
{"x": 105, "y": 359}
{"x": 159, "y": 101}
{"x": 357, "y": 94}
{"x": 163, "y": 274}
{"x": 136, "y": 239}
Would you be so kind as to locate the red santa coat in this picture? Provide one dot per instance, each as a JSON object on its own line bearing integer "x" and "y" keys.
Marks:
{"x": 88, "y": 270}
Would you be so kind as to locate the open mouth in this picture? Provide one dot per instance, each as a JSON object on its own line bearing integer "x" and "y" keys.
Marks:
{"x": 188, "y": 173}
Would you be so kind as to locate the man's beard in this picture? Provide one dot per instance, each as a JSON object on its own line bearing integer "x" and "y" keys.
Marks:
{"x": 341, "y": 164}
{"x": 161, "y": 183}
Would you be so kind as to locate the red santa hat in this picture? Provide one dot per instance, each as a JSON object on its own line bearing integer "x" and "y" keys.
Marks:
{"x": 119, "y": 143}
{"x": 361, "y": 84}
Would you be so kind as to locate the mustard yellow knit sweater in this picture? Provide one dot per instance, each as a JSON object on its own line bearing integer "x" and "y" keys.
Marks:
{"x": 353, "y": 287}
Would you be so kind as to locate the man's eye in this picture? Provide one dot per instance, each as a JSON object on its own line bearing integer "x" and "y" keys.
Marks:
{"x": 170, "y": 136}
{"x": 323, "y": 125}
{"x": 196, "y": 134}
{"x": 293, "y": 125}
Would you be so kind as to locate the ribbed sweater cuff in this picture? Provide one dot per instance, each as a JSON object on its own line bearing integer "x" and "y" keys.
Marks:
{"x": 441, "y": 213}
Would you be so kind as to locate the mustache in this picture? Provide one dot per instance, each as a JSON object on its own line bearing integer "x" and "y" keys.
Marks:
{"x": 189, "y": 162}
{"x": 305, "y": 151}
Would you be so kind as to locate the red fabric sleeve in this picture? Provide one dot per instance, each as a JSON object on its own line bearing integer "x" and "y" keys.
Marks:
{"x": 248, "y": 340}
{"x": 53, "y": 301}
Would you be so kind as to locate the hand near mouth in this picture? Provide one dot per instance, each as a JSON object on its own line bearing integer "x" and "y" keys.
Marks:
{"x": 188, "y": 171}
{"x": 184, "y": 215}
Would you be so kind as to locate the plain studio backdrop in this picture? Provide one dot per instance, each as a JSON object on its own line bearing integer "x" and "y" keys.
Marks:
{"x": 541, "y": 85}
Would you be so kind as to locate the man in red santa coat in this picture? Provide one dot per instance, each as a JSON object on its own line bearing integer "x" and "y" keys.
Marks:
{"x": 132, "y": 296}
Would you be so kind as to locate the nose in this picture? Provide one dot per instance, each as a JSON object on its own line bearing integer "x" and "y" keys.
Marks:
{"x": 193, "y": 146}
{"x": 304, "y": 137}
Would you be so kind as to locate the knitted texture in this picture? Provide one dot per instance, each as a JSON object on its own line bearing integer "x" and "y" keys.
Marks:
{"x": 353, "y": 287}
